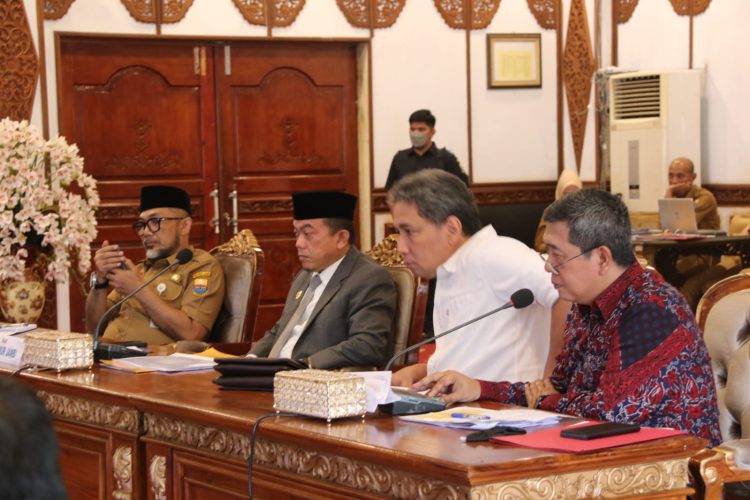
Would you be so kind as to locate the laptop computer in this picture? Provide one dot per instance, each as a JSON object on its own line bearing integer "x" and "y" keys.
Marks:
{"x": 678, "y": 215}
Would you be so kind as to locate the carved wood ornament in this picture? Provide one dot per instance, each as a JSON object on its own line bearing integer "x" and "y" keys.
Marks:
{"x": 579, "y": 66}
{"x": 625, "y": 11}
{"x": 145, "y": 11}
{"x": 482, "y": 12}
{"x": 19, "y": 68}
{"x": 55, "y": 9}
{"x": 682, "y": 7}
{"x": 357, "y": 12}
{"x": 545, "y": 13}
{"x": 284, "y": 12}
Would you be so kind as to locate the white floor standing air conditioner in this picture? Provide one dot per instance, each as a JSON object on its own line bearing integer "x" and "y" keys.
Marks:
{"x": 654, "y": 118}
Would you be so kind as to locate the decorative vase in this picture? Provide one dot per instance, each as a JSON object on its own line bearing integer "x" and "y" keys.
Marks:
{"x": 22, "y": 301}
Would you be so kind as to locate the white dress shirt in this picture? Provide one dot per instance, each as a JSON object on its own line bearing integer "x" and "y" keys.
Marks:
{"x": 511, "y": 345}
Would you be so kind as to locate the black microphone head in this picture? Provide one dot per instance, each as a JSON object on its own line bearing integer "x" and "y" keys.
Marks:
{"x": 186, "y": 255}
{"x": 522, "y": 298}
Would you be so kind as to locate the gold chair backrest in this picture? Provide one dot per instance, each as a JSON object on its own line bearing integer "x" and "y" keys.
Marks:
{"x": 242, "y": 260}
{"x": 412, "y": 296}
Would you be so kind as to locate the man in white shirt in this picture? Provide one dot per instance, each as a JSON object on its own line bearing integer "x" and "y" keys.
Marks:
{"x": 477, "y": 270}
{"x": 339, "y": 311}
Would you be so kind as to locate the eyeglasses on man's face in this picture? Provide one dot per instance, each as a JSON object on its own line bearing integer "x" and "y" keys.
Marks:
{"x": 152, "y": 223}
{"x": 549, "y": 266}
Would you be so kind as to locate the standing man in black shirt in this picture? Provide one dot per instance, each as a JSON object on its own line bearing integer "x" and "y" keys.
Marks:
{"x": 424, "y": 153}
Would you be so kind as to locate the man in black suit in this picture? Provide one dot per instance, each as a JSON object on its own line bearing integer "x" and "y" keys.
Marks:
{"x": 340, "y": 308}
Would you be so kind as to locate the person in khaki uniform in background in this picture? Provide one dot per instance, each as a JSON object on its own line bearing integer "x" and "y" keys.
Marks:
{"x": 183, "y": 303}
{"x": 682, "y": 185}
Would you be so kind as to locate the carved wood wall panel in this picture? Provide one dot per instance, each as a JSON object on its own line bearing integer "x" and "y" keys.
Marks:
{"x": 55, "y": 9}
{"x": 357, "y": 12}
{"x": 19, "y": 68}
{"x": 284, "y": 11}
{"x": 579, "y": 66}
{"x": 682, "y": 7}
{"x": 453, "y": 12}
{"x": 145, "y": 10}
{"x": 625, "y": 11}
{"x": 545, "y": 12}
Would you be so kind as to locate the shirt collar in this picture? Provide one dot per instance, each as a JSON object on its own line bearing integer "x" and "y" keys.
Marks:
{"x": 609, "y": 299}
{"x": 432, "y": 151}
{"x": 327, "y": 273}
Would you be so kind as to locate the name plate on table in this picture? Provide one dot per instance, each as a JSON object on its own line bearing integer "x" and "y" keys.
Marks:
{"x": 11, "y": 350}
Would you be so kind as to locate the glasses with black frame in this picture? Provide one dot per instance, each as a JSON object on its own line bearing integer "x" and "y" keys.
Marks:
{"x": 152, "y": 223}
{"x": 549, "y": 266}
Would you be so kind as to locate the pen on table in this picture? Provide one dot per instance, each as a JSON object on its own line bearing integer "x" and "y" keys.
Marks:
{"x": 470, "y": 416}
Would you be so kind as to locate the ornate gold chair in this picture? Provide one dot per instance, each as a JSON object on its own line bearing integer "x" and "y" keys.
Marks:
{"x": 724, "y": 316}
{"x": 242, "y": 260}
{"x": 412, "y": 298}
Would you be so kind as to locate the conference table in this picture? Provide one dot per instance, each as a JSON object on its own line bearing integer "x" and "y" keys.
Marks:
{"x": 662, "y": 253}
{"x": 157, "y": 436}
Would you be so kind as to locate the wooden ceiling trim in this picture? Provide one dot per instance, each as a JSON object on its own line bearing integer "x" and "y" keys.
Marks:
{"x": 482, "y": 12}
{"x": 384, "y": 12}
{"x": 157, "y": 11}
{"x": 690, "y": 7}
{"x": 545, "y": 12}
{"x": 56, "y": 9}
{"x": 282, "y": 12}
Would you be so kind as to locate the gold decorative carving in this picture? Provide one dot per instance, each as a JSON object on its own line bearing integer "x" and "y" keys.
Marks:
{"x": 386, "y": 252}
{"x": 55, "y": 9}
{"x": 545, "y": 12}
{"x": 157, "y": 477}
{"x": 284, "y": 11}
{"x": 579, "y": 66}
{"x": 637, "y": 479}
{"x": 312, "y": 463}
{"x": 357, "y": 12}
{"x": 122, "y": 463}
{"x": 625, "y": 11}
{"x": 243, "y": 243}
{"x": 19, "y": 68}
{"x": 682, "y": 7}
{"x": 482, "y": 12}
{"x": 290, "y": 149}
{"x": 142, "y": 159}
{"x": 144, "y": 11}
{"x": 91, "y": 412}
{"x": 265, "y": 206}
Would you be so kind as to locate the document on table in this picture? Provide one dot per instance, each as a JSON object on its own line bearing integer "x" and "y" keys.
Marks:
{"x": 15, "y": 328}
{"x": 470, "y": 417}
{"x": 177, "y": 362}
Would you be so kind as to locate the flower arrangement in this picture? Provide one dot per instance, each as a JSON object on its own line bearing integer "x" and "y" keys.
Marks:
{"x": 47, "y": 205}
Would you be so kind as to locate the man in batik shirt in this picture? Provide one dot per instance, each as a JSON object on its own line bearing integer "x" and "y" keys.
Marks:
{"x": 633, "y": 352}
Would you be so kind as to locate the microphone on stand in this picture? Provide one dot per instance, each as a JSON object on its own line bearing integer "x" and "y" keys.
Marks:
{"x": 416, "y": 403}
{"x": 112, "y": 351}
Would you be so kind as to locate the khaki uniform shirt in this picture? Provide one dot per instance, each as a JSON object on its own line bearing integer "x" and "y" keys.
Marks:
{"x": 706, "y": 213}
{"x": 196, "y": 288}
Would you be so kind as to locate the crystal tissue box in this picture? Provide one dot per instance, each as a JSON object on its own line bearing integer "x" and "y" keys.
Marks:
{"x": 319, "y": 393}
{"x": 58, "y": 350}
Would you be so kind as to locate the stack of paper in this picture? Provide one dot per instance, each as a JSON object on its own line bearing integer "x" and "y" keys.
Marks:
{"x": 174, "y": 363}
{"x": 15, "y": 328}
{"x": 469, "y": 417}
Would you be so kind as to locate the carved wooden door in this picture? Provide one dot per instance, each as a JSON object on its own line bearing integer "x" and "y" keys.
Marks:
{"x": 287, "y": 123}
{"x": 144, "y": 111}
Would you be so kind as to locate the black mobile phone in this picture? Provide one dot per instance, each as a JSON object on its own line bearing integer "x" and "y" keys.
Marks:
{"x": 595, "y": 431}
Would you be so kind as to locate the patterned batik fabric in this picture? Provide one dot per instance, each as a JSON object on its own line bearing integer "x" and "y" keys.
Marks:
{"x": 635, "y": 355}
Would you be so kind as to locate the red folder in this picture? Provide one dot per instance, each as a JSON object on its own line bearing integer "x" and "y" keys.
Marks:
{"x": 550, "y": 439}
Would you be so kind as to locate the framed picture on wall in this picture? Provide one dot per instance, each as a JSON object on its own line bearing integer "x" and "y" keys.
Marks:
{"x": 514, "y": 60}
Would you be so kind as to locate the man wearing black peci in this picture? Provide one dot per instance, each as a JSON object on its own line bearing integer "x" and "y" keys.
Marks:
{"x": 181, "y": 304}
